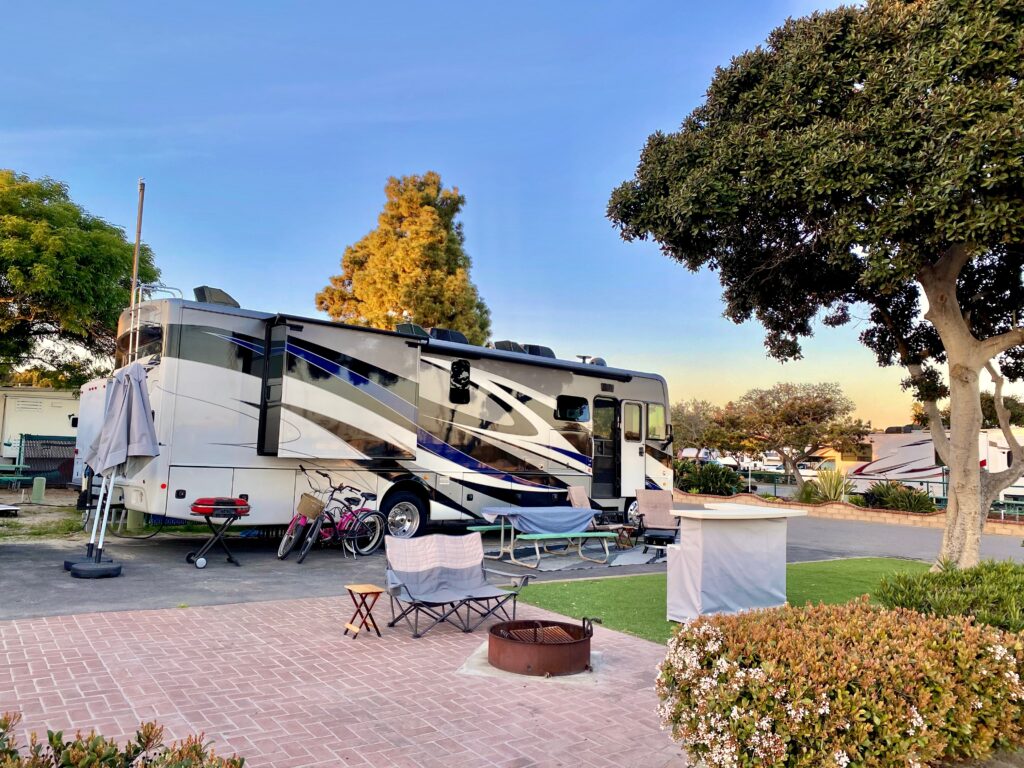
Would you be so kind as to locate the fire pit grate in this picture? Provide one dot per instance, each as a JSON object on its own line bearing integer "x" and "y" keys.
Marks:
{"x": 543, "y": 648}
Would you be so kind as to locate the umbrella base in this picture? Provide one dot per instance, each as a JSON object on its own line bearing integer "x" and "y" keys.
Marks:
{"x": 82, "y": 559}
{"x": 92, "y": 570}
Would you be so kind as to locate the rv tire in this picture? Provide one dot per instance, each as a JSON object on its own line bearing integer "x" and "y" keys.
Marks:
{"x": 631, "y": 512}
{"x": 405, "y": 513}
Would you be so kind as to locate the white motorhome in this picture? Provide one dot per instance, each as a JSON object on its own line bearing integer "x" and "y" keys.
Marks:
{"x": 437, "y": 429}
{"x": 910, "y": 458}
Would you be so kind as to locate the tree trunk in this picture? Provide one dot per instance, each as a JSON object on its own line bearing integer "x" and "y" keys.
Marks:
{"x": 961, "y": 540}
{"x": 791, "y": 465}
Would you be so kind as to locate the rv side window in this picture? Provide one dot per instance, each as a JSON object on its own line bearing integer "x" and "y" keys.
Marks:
{"x": 632, "y": 429}
{"x": 656, "y": 421}
{"x": 569, "y": 408}
{"x": 458, "y": 384}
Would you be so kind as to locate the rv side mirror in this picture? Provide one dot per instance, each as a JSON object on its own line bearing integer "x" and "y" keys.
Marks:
{"x": 458, "y": 383}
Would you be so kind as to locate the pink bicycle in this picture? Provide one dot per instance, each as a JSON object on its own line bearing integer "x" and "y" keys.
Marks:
{"x": 335, "y": 520}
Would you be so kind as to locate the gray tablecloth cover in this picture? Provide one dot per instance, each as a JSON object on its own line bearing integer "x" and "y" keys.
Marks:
{"x": 725, "y": 566}
{"x": 543, "y": 519}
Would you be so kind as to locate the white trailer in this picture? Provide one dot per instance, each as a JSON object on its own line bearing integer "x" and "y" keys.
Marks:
{"x": 35, "y": 411}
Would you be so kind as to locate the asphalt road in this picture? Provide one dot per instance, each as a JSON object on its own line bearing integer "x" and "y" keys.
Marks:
{"x": 34, "y": 583}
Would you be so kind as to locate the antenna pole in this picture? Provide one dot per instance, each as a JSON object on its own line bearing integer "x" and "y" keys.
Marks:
{"x": 138, "y": 240}
{"x": 133, "y": 328}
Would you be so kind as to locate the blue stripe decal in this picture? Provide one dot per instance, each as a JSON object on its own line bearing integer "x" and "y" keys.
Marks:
{"x": 258, "y": 348}
{"x": 651, "y": 485}
{"x": 372, "y": 388}
{"x": 438, "y": 447}
{"x": 573, "y": 455}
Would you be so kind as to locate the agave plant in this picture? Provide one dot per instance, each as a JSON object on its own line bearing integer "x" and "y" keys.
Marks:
{"x": 831, "y": 485}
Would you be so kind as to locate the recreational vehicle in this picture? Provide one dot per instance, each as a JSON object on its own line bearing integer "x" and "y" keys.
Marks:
{"x": 910, "y": 458}
{"x": 438, "y": 429}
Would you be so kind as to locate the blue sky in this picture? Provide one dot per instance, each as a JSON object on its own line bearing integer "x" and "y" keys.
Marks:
{"x": 266, "y": 131}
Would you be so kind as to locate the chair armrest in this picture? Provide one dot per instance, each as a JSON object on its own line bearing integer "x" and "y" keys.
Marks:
{"x": 519, "y": 580}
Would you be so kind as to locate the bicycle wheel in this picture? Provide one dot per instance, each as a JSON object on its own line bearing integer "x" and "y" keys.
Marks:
{"x": 292, "y": 536}
{"x": 368, "y": 531}
{"x": 311, "y": 538}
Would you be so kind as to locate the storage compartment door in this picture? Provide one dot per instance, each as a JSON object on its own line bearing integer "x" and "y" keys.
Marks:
{"x": 186, "y": 484}
{"x": 271, "y": 494}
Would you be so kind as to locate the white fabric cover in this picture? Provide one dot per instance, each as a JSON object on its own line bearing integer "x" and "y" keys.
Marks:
{"x": 725, "y": 566}
{"x": 127, "y": 423}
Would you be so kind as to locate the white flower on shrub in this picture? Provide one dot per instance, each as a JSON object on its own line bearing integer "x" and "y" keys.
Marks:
{"x": 916, "y": 722}
{"x": 823, "y": 706}
{"x": 841, "y": 758}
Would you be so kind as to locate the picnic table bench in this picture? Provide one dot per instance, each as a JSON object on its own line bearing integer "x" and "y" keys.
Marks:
{"x": 9, "y": 473}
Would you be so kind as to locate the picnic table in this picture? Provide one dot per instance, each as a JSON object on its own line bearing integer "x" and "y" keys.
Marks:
{"x": 543, "y": 524}
{"x": 11, "y": 473}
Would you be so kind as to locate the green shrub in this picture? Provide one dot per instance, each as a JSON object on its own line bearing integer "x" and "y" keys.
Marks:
{"x": 769, "y": 496}
{"x": 888, "y": 494}
{"x": 95, "y": 751}
{"x": 882, "y": 494}
{"x": 684, "y": 472}
{"x": 841, "y": 685}
{"x": 992, "y": 592}
{"x": 717, "y": 480}
{"x": 830, "y": 485}
{"x": 857, "y": 500}
{"x": 806, "y": 494}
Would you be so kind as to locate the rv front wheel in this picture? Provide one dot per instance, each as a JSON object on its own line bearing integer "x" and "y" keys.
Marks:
{"x": 404, "y": 512}
{"x": 632, "y": 512}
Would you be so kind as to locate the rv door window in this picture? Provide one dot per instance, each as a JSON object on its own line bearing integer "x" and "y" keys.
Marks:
{"x": 656, "y": 429}
{"x": 569, "y": 408}
{"x": 632, "y": 429}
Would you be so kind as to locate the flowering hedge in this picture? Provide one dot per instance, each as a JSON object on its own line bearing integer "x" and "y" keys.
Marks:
{"x": 845, "y": 685}
{"x": 94, "y": 751}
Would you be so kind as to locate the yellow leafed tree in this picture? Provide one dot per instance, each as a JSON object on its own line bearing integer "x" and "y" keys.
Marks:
{"x": 412, "y": 267}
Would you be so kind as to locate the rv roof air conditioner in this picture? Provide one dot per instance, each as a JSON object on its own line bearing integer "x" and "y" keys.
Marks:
{"x": 447, "y": 334}
{"x": 207, "y": 295}
{"x": 538, "y": 350}
{"x": 411, "y": 329}
{"x": 509, "y": 346}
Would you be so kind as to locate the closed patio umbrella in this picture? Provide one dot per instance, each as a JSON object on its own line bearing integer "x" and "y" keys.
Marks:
{"x": 127, "y": 431}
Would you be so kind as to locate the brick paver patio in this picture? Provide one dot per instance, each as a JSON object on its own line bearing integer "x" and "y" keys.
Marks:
{"x": 277, "y": 683}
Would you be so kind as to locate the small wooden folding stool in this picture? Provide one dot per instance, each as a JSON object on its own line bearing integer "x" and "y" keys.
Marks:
{"x": 364, "y": 597}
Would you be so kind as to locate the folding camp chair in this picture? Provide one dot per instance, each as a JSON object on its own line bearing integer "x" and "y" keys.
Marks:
{"x": 579, "y": 499}
{"x": 659, "y": 527}
{"x": 443, "y": 578}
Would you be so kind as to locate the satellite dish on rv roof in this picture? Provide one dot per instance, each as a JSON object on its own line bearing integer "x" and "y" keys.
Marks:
{"x": 598, "y": 361}
{"x": 207, "y": 295}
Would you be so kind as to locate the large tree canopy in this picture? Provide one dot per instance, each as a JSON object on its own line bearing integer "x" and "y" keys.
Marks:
{"x": 793, "y": 420}
{"x": 65, "y": 275}
{"x": 412, "y": 268}
{"x": 866, "y": 157}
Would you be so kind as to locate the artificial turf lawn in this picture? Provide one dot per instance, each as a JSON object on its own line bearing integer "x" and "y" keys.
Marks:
{"x": 636, "y": 604}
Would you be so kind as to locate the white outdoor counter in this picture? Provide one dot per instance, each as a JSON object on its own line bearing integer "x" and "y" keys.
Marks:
{"x": 730, "y": 557}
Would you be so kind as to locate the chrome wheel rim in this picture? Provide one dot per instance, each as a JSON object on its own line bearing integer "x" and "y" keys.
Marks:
{"x": 633, "y": 513}
{"x": 403, "y": 519}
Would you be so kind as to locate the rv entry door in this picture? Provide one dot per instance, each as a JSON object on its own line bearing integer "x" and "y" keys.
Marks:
{"x": 633, "y": 453}
{"x": 605, "y": 466}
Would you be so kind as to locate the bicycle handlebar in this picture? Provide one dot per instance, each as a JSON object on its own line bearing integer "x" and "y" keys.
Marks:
{"x": 327, "y": 477}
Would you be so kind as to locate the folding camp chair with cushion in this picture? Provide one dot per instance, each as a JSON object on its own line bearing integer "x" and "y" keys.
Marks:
{"x": 579, "y": 499}
{"x": 443, "y": 577}
{"x": 659, "y": 526}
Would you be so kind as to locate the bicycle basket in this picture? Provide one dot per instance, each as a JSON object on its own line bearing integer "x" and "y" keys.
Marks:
{"x": 310, "y": 506}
